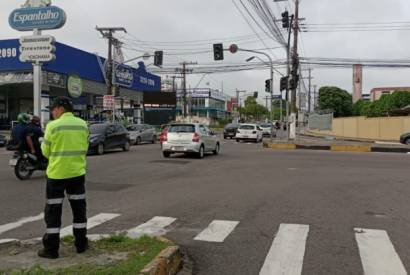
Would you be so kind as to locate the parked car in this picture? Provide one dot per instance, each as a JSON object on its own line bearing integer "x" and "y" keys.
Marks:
{"x": 108, "y": 136}
{"x": 142, "y": 133}
{"x": 405, "y": 139}
{"x": 266, "y": 129}
{"x": 3, "y": 141}
{"x": 189, "y": 138}
{"x": 251, "y": 132}
{"x": 230, "y": 130}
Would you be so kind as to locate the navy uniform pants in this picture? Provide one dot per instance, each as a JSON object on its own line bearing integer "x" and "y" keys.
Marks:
{"x": 75, "y": 189}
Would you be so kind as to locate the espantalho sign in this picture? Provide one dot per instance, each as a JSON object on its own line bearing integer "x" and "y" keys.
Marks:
{"x": 41, "y": 18}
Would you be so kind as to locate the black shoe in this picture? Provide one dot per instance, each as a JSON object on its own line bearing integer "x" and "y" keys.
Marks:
{"x": 46, "y": 254}
{"x": 82, "y": 249}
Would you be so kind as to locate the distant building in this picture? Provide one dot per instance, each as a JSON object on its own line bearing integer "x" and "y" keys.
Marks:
{"x": 204, "y": 103}
{"x": 232, "y": 104}
{"x": 366, "y": 97}
{"x": 376, "y": 93}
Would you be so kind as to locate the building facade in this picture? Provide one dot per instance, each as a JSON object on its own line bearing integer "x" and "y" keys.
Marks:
{"x": 204, "y": 103}
{"x": 377, "y": 93}
{"x": 16, "y": 83}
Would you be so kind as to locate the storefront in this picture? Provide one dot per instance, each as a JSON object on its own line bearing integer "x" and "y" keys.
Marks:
{"x": 16, "y": 83}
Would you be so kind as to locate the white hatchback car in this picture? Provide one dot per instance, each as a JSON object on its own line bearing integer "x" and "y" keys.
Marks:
{"x": 251, "y": 132}
{"x": 189, "y": 138}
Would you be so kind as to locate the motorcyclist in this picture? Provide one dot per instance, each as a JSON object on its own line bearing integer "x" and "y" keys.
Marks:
{"x": 33, "y": 134}
{"x": 18, "y": 142}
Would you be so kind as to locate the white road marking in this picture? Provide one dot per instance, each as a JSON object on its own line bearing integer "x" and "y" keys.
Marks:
{"x": 4, "y": 241}
{"x": 377, "y": 253}
{"x": 14, "y": 225}
{"x": 92, "y": 222}
{"x": 154, "y": 227}
{"x": 287, "y": 251}
{"x": 217, "y": 231}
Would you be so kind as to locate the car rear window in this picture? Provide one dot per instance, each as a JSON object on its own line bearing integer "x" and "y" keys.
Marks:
{"x": 231, "y": 126}
{"x": 183, "y": 128}
{"x": 247, "y": 127}
{"x": 265, "y": 125}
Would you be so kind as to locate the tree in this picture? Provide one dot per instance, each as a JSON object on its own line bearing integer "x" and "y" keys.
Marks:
{"x": 335, "y": 99}
{"x": 253, "y": 110}
{"x": 384, "y": 106}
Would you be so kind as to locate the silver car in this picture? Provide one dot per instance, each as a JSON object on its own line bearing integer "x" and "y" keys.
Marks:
{"x": 189, "y": 138}
{"x": 142, "y": 133}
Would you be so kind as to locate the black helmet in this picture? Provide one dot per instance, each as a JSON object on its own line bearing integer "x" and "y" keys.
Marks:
{"x": 62, "y": 101}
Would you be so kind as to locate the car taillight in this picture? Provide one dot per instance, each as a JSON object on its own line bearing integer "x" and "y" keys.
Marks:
{"x": 196, "y": 137}
{"x": 163, "y": 137}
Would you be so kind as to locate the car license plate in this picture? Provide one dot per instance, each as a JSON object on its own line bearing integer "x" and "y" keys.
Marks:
{"x": 178, "y": 148}
{"x": 245, "y": 136}
{"x": 13, "y": 162}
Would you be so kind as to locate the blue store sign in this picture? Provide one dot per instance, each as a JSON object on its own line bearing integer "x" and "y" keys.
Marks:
{"x": 43, "y": 18}
{"x": 124, "y": 76}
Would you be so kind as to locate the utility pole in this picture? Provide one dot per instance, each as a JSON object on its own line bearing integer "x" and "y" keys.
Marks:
{"x": 108, "y": 33}
{"x": 238, "y": 104}
{"x": 295, "y": 63}
{"x": 184, "y": 97}
{"x": 315, "y": 98}
{"x": 310, "y": 91}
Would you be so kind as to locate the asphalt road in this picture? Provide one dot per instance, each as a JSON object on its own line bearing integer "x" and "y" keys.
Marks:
{"x": 324, "y": 195}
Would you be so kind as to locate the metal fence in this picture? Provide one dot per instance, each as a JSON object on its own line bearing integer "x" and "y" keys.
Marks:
{"x": 320, "y": 121}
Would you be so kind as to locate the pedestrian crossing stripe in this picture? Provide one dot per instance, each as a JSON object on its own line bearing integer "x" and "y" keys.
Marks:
{"x": 91, "y": 223}
{"x": 377, "y": 253}
{"x": 217, "y": 231}
{"x": 154, "y": 227}
{"x": 10, "y": 226}
{"x": 287, "y": 251}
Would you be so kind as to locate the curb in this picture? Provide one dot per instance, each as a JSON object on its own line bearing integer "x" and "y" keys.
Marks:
{"x": 168, "y": 262}
{"x": 351, "y": 148}
{"x": 280, "y": 146}
{"x": 337, "y": 148}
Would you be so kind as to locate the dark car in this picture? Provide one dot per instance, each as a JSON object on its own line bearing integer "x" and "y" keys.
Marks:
{"x": 405, "y": 139}
{"x": 3, "y": 141}
{"x": 230, "y": 130}
{"x": 108, "y": 136}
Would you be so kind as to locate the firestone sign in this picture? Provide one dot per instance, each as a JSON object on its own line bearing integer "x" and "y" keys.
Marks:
{"x": 41, "y": 18}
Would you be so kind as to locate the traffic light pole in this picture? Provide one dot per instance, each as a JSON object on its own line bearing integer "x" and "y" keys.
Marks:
{"x": 288, "y": 74}
{"x": 295, "y": 27}
{"x": 271, "y": 80}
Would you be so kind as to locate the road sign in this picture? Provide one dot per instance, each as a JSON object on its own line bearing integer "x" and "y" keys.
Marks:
{"x": 40, "y": 18}
{"x": 37, "y": 48}
{"x": 124, "y": 76}
{"x": 108, "y": 102}
{"x": 276, "y": 97}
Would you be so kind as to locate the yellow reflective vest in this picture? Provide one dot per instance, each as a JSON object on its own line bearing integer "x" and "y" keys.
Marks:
{"x": 65, "y": 146}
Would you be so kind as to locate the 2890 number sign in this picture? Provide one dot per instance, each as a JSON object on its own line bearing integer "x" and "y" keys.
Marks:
{"x": 8, "y": 52}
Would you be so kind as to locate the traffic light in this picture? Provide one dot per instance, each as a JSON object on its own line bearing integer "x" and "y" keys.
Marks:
{"x": 284, "y": 83}
{"x": 285, "y": 20}
{"x": 293, "y": 82}
{"x": 255, "y": 95}
{"x": 158, "y": 58}
{"x": 218, "y": 52}
{"x": 268, "y": 85}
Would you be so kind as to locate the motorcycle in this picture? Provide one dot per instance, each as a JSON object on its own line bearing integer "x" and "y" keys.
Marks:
{"x": 25, "y": 164}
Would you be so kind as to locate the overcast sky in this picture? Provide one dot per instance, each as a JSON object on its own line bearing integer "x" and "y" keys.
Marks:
{"x": 211, "y": 21}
